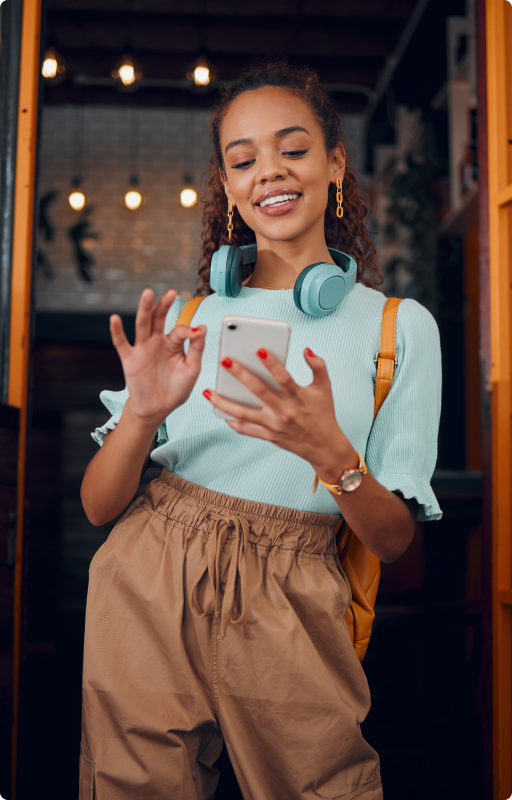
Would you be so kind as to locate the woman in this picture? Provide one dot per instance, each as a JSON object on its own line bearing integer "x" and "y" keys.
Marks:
{"x": 216, "y": 607}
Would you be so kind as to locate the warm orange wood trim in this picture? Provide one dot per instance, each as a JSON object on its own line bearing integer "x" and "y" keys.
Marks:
{"x": 23, "y": 232}
{"x": 501, "y": 328}
{"x": 472, "y": 334}
{"x": 504, "y": 196}
{"x": 505, "y": 596}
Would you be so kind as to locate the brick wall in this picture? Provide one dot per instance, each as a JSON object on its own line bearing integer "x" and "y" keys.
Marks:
{"x": 156, "y": 245}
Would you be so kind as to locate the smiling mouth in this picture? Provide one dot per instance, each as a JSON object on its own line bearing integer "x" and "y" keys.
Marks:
{"x": 278, "y": 200}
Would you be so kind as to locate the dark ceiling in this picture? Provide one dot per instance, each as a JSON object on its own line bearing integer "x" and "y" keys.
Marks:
{"x": 346, "y": 41}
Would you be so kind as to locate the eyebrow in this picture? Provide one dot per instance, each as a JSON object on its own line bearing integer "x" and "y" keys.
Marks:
{"x": 278, "y": 135}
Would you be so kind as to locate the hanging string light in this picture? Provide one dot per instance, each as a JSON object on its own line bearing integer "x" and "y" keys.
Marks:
{"x": 77, "y": 199}
{"x": 54, "y": 66}
{"x": 201, "y": 73}
{"x": 188, "y": 193}
{"x": 127, "y": 72}
{"x": 133, "y": 198}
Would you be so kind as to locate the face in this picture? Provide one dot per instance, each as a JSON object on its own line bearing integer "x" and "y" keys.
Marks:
{"x": 277, "y": 170}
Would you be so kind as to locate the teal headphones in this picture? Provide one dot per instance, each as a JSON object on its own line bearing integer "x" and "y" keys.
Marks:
{"x": 318, "y": 290}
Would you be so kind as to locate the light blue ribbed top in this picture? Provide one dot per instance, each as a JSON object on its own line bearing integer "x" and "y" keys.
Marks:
{"x": 400, "y": 448}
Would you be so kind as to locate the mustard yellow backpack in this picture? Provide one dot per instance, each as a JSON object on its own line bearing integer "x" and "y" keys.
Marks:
{"x": 359, "y": 564}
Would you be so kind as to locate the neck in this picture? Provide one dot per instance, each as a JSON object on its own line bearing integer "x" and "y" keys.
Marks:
{"x": 280, "y": 262}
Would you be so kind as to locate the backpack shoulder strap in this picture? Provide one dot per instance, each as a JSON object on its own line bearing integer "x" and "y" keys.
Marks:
{"x": 188, "y": 311}
{"x": 387, "y": 353}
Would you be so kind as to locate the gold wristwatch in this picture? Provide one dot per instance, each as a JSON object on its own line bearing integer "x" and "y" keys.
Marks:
{"x": 349, "y": 480}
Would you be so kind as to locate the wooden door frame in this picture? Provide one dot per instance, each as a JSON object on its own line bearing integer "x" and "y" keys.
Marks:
{"x": 499, "y": 373}
{"x": 23, "y": 241}
{"x": 485, "y": 395}
{"x": 495, "y": 359}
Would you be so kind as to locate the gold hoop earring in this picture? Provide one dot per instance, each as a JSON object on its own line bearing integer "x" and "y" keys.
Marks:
{"x": 230, "y": 218}
{"x": 339, "y": 198}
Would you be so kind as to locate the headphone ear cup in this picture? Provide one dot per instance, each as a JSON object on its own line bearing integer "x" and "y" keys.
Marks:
{"x": 319, "y": 289}
{"x": 298, "y": 286}
{"x": 225, "y": 271}
{"x": 213, "y": 271}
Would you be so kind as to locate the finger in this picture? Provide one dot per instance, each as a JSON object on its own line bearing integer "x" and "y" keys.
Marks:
{"x": 180, "y": 334}
{"x": 274, "y": 366}
{"x": 118, "y": 335}
{"x": 143, "y": 318}
{"x": 256, "y": 385}
{"x": 161, "y": 309}
{"x": 318, "y": 367}
{"x": 196, "y": 347}
{"x": 236, "y": 410}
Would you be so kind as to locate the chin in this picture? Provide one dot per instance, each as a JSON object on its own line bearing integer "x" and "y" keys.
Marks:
{"x": 283, "y": 230}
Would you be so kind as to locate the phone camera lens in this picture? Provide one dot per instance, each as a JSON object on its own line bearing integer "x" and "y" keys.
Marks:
{"x": 232, "y": 327}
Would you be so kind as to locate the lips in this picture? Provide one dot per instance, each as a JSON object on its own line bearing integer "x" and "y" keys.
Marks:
{"x": 273, "y": 196}
{"x": 276, "y": 202}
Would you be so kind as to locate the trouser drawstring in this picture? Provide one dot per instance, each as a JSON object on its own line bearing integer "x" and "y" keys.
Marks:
{"x": 234, "y": 602}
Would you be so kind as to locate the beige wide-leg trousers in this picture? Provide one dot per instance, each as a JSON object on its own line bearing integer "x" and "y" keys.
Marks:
{"x": 211, "y": 618}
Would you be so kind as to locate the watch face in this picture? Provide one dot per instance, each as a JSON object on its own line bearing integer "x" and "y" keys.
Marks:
{"x": 352, "y": 481}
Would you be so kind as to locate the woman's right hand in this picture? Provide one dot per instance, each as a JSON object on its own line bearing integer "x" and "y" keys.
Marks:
{"x": 158, "y": 374}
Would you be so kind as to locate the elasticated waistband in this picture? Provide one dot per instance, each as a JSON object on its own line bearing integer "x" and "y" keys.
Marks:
{"x": 196, "y": 507}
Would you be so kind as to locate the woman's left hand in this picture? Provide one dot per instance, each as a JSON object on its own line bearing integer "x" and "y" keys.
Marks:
{"x": 299, "y": 419}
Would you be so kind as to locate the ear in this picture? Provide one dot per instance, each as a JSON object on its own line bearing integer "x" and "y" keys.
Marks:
{"x": 226, "y": 187}
{"x": 338, "y": 160}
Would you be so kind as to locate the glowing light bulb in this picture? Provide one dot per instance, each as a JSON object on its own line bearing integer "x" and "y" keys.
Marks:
{"x": 188, "y": 197}
{"x": 127, "y": 74}
{"x": 77, "y": 200}
{"x": 201, "y": 75}
{"x": 132, "y": 199}
{"x": 49, "y": 69}
{"x": 54, "y": 67}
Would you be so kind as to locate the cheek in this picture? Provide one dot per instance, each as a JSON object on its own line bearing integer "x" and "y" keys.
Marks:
{"x": 240, "y": 185}
{"x": 316, "y": 180}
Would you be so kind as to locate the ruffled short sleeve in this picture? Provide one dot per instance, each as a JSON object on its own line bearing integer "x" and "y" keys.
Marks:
{"x": 402, "y": 447}
{"x": 115, "y": 401}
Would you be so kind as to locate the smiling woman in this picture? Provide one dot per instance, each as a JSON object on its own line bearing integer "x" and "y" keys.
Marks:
{"x": 216, "y": 609}
{"x": 313, "y": 132}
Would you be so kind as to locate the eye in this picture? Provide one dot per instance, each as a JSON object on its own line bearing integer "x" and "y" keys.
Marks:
{"x": 295, "y": 153}
{"x": 243, "y": 164}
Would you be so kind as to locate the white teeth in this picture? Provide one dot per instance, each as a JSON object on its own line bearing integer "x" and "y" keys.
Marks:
{"x": 281, "y": 198}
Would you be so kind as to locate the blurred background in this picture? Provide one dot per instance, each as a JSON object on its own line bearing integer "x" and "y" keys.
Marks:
{"x": 128, "y": 89}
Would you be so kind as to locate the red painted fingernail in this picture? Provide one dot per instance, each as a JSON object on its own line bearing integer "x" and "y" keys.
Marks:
{"x": 226, "y": 362}
{"x": 310, "y": 352}
{"x": 194, "y": 330}
{"x": 262, "y": 352}
{"x": 207, "y": 394}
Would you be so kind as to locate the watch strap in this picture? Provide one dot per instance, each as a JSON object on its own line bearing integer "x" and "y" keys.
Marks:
{"x": 337, "y": 488}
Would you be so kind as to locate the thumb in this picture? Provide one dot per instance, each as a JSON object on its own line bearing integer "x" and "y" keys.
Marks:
{"x": 318, "y": 367}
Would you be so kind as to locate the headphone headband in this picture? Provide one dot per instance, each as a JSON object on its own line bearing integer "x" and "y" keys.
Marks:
{"x": 318, "y": 290}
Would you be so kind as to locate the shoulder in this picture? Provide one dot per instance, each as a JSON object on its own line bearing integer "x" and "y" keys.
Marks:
{"x": 413, "y": 319}
{"x": 416, "y": 325}
{"x": 416, "y": 328}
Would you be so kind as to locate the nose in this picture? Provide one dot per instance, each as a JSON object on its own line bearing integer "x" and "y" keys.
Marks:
{"x": 271, "y": 169}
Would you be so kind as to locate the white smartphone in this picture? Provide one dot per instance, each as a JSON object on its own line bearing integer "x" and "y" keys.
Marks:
{"x": 240, "y": 338}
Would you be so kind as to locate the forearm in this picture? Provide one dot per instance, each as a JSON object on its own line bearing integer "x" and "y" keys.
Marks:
{"x": 378, "y": 517}
{"x": 114, "y": 473}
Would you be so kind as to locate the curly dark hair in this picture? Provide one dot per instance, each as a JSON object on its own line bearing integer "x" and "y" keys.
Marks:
{"x": 348, "y": 234}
